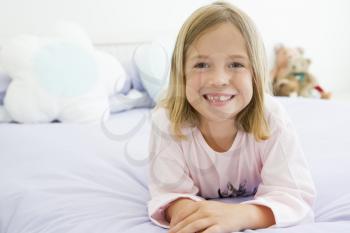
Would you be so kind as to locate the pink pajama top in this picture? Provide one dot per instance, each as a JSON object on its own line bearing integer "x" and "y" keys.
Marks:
{"x": 274, "y": 171}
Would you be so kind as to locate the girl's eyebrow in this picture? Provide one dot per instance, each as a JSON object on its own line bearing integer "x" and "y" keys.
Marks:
{"x": 233, "y": 56}
{"x": 240, "y": 56}
{"x": 199, "y": 56}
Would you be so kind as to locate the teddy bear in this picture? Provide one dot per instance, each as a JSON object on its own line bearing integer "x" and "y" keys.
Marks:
{"x": 283, "y": 55}
{"x": 291, "y": 76}
{"x": 297, "y": 81}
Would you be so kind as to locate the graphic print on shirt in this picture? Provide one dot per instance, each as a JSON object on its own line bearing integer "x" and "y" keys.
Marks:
{"x": 233, "y": 192}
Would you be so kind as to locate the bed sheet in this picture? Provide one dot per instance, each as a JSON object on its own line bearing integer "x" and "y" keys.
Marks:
{"x": 71, "y": 178}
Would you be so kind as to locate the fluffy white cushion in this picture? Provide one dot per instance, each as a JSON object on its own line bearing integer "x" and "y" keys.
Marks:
{"x": 153, "y": 61}
{"x": 4, "y": 81}
{"x": 61, "y": 77}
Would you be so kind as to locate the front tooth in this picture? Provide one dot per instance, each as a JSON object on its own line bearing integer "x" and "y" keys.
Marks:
{"x": 222, "y": 98}
{"x": 218, "y": 98}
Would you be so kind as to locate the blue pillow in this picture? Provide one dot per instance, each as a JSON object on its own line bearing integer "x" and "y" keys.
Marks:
{"x": 152, "y": 61}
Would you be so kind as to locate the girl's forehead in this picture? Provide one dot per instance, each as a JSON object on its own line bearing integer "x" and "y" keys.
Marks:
{"x": 222, "y": 39}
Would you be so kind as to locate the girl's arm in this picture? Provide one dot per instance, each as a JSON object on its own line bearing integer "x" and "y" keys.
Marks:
{"x": 175, "y": 207}
{"x": 257, "y": 216}
{"x": 169, "y": 178}
{"x": 287, "y": 187}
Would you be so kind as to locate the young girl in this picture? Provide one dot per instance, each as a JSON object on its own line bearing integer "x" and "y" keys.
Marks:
{"x": 217, "y": 135}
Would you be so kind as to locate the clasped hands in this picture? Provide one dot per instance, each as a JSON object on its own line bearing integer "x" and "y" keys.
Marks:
{"x": 188, "y": 216}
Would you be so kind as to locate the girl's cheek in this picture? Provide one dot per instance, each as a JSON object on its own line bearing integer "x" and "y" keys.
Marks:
{"x": 191, "y": 94}
{"x": 244, "y": 78}
{"x": 195, "y": 80}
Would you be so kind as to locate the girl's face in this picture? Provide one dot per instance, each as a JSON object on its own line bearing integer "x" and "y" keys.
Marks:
{"x": 218, "y": 73}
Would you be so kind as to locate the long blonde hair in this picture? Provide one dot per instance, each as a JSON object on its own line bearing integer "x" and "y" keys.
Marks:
{"x": 252, "y": 118}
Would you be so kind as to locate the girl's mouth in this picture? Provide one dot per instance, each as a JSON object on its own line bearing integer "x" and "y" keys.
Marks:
{"x": 218, "y": 99}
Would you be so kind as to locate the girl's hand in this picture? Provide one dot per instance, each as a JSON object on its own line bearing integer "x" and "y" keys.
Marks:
{"x": 207, "y": 217}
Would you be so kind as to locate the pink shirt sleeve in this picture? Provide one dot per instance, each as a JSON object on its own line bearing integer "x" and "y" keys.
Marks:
{"x": 169, "y": 175}
{"x": 287, "y": 186}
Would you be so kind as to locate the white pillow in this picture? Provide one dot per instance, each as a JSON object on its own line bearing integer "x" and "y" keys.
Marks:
{"x": 113, "y": 74}
{"x": 4, "y": 81}
{"x": 153, "y": 61}
{"x": 60, "y": 77}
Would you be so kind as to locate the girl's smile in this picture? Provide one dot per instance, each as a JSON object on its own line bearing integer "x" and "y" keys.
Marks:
{"x": 218, "y": 99}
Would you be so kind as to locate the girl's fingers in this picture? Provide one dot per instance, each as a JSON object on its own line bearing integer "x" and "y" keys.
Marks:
{"x": 196, "y": 226}
{"x": 187, "y": 221}
{"x": 212, "y": 229}
{"x": 184, "y": 213}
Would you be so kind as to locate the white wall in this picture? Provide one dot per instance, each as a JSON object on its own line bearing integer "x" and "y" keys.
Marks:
{"x": 321, "y": 27}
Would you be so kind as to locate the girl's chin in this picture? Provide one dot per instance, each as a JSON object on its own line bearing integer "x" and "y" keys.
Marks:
{"x": 218, "y": 115}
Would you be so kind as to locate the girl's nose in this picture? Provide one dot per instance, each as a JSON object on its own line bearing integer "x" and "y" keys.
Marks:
{"x": 219, "y": 78}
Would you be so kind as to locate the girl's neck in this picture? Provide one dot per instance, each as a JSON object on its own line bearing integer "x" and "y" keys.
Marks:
{"x": 218, "y": 134}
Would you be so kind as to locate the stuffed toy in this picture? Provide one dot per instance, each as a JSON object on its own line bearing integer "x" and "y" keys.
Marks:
{"x": 291, "y": 76}
{"x": 297, "y": 81}
{"x": 61, "y": 77}
{"x": 283, "y": 55}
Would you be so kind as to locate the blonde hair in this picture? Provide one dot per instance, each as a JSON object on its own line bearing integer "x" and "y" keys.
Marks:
{"x": 252, "y": 118}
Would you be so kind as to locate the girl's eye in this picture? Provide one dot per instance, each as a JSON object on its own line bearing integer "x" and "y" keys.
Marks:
{"x": 201, "y": 65}
{"x": 236, "y": 65}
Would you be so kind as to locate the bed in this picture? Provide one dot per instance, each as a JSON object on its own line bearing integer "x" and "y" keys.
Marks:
{"x": 82, "y": 178}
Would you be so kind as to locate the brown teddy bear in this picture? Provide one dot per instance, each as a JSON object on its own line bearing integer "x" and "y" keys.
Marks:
{"x": 290, "y": 76}
{"x": 297, "y": 80}
{"x": 283, "y": 55}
